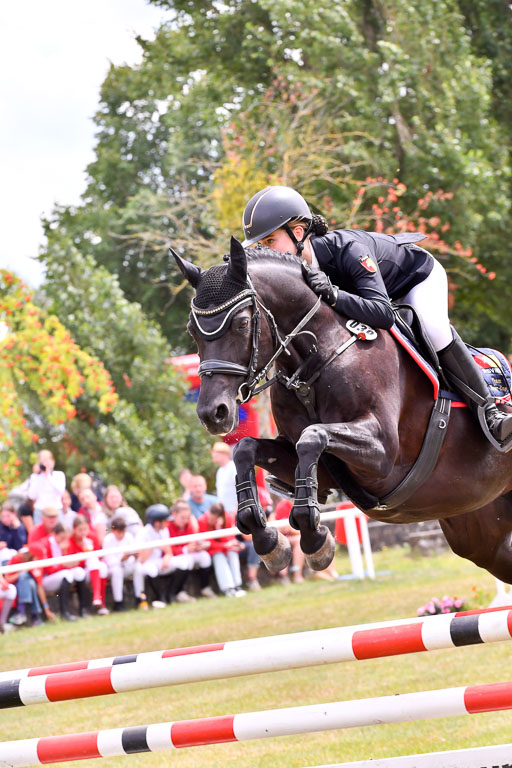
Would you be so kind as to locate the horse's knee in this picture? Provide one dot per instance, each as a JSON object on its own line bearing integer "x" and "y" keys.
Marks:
{"x": 313, "y": 439}
{"x": 244, "y": 451}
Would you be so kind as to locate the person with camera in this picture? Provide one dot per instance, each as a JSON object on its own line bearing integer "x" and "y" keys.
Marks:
{"x": 46, "y": 485}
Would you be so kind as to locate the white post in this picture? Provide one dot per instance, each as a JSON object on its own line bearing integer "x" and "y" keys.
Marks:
{"x": 367, "y": 547}
{"x": 354, "y": 550}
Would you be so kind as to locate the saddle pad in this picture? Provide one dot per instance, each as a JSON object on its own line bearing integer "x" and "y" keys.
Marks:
{"x": 493, "y": 364}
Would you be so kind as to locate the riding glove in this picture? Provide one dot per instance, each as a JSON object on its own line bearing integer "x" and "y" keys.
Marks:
{"x": 320, "y": 284}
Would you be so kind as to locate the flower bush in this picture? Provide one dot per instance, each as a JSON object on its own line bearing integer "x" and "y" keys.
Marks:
{"x": 446, "y": 605}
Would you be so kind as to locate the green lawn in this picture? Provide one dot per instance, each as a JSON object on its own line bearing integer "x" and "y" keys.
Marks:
{"x": 408, "y": 584}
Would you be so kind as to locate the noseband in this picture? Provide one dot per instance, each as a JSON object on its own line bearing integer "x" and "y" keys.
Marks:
{"x": 214, "y": 323}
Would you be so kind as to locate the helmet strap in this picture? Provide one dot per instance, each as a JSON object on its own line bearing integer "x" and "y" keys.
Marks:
{"x": 299, "y": 244}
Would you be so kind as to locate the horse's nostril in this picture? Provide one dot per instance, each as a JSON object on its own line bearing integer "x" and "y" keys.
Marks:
{"x": 221, "y": 413}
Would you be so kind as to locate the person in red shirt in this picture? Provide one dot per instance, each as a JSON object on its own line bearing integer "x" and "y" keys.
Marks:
{"x": 59, "y": 578}
{"x": 186, "y": 557}
{"x": 224, "y": 551}
{"x": 84, "y": 540}
{"x": 48, "y": 522}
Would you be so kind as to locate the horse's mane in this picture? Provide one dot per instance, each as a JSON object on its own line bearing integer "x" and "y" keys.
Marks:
{"x": 268, "y": 255}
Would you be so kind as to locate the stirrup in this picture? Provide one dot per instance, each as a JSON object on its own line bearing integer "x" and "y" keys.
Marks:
{"x": 502, "y": 446}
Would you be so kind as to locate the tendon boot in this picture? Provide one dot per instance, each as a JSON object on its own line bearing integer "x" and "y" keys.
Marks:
{"x": 64, "y": 601}
{"x": 462, "y": 371}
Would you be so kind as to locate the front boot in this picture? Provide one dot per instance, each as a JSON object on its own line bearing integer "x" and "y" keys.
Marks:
{"x": 462, "y": 371}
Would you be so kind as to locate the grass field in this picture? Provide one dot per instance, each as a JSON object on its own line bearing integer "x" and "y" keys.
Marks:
{"x": 402, "y": 586}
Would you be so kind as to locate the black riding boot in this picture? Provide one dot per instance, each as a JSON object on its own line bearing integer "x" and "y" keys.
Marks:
{"x": 460, "y": 368}
{"x": 64, "y": 601}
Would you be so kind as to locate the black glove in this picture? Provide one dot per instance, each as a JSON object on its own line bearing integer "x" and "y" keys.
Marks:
{"x": 320, "y": 284}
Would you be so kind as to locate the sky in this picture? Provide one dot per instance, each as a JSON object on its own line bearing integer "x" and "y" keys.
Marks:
{"x": 54, "y": 56}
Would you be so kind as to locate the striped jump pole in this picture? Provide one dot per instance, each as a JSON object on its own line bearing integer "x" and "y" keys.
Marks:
{"x": 399, "y": 708}
{"x": 499, "y": 756}
{"x": 253, "y": 656}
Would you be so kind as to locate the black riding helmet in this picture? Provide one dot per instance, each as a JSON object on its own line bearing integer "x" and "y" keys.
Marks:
{"x": 270, "y": 209}
{"x": 157, "y": 513}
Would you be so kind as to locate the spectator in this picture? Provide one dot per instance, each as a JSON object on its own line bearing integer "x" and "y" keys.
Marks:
{"x": 82, "y": 540}
{"x": 12, "y": 534}
{"x": 224, "y": 551}
{"x": 60, "y": 578}
{"x": 199, "y": 500}
{"x": 282, "y": 512}
{"x": 225, "y": 478}
{"x": 114, "y": 505}
{"x": 30, "y": 591}
{"x": 188, "y": 556}
{"x": 184, "y": 478}
{"x": 26, "y": 515}
{"x": 78, "y": 483}
{"x": 67, "y": 514}
{"x": 49, "y": 521}
{"x": 119, "y": 565}
{"x": 152, "y": 564}
{"x": 93, "y": 512}
{"x": 7, "y": 596}
{"x": 46, "y": 485}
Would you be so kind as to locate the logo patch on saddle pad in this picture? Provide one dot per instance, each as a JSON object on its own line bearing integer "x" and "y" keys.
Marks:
{"x": 496, "y": 372}
{"x": 368, "y": 263}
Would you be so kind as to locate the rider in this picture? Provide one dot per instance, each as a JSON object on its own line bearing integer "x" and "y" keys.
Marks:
{"x": 368, "y": 269}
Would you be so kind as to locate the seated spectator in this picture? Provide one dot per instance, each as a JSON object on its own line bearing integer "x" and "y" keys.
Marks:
{"x": 12, "y": 534}
{"x": 225, "y": 479}
{"x": 67, "y": 514}
{"x": 188, "y": 556}
{"x": 26, "y": 515}
{"x": 7, "y": 596}
{"x": 114, "y": 505}
{"x": 224, "y": 551}
{"x": 120, "y": 565}
{"x": 83, "y": 539}
{"x": 93, "y": 512}
{"x": 78, "y": 483}
{"x": 46, "y": 485}
{"x": 60, "y": 578}
{"x": 153, "y": 563}
{"x": 199, "y": 500}
{"x": 50, "y": 518}
{"x": 30, "y": 591}
{"x": 282, "y": 512}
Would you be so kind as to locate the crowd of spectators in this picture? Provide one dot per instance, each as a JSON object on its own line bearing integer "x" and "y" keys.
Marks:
{"x": 53, "y": 521}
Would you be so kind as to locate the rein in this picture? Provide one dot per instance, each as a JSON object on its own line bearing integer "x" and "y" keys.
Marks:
{"x": 250, "y": 388}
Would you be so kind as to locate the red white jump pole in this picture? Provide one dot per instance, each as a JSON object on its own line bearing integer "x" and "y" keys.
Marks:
{"x": 254, "y": 656}
{"x": 258, "y": 725}
{"x": 477, "y": 757}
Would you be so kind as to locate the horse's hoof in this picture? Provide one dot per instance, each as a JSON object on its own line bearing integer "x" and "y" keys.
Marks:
{"x": 280, "y": 557}
{"x": 323, "y": 557}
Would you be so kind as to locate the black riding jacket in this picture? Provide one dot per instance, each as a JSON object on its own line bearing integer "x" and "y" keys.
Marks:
{"x": 370, "y": 269}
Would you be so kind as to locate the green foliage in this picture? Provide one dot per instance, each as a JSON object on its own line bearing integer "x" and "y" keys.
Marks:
{"x": 152, "y": 432}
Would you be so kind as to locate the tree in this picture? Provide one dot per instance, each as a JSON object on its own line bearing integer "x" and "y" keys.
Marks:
{"x": 153, "y": 431}
{"x": 45, "y": 377}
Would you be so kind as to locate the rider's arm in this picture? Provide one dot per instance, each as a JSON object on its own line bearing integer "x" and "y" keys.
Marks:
{"x": 367, "y": 300}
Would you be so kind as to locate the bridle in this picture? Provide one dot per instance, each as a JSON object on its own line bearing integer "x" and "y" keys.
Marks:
{"x": 253, "y": 375}
{"x": 250, "y": 387}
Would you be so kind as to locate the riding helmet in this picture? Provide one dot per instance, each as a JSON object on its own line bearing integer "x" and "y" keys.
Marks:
{"x": 157, "y": 513}
{"x": 269, "y": 209}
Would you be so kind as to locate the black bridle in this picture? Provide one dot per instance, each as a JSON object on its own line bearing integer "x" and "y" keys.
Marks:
{"x": 248, "y": 297}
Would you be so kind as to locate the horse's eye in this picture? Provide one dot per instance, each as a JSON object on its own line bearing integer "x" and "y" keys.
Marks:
{"x": 243, "y": 324}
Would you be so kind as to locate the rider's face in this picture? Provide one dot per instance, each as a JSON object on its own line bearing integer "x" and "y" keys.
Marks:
{"x": 279, "y": 240}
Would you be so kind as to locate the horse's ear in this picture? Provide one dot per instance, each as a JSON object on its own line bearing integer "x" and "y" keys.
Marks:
{"x": 189, "y": 270}
{"x": 237, "y": 267}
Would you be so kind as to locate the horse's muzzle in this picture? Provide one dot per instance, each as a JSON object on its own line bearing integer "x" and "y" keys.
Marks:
{"x": 219, "y": 417}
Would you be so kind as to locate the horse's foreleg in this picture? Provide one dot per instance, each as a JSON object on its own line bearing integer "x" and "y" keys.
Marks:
{"x": 358, "y": 443}
{"x": 270, "y": 544}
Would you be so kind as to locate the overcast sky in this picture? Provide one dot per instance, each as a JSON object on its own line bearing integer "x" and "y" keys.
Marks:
{"x": 54, "y": 55}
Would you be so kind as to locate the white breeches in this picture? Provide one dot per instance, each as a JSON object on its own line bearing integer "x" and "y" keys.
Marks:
{"x": 8, "y": 593}
{"x": 95, "y": 564}
{"x": 118, "y": 572}
{"x": 52, "y": 581}
{"x": 189, "y": 560}
{"x": 430, "y": 299}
